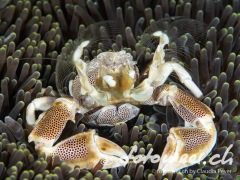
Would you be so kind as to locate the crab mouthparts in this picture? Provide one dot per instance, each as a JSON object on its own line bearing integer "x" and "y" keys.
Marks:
{"x": 117, "y": 83}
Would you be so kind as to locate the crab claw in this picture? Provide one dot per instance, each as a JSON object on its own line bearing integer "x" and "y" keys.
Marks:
{"x": 87, "y": 149}
{"x": 50, "y": 124}
{"x": 187, "y": 145}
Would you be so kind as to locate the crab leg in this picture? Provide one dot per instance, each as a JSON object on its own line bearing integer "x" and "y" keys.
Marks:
{"x": 84, "y": 149}
{"x": 167, "y": 68}
{"x": 190, "y": 144}
{"x": 50, "y": 123}
{"x": 87, "y": 149}
{"x": 42, "y": 104}
{"x": 160, "y": 70}
{"x": 81, "y": 67}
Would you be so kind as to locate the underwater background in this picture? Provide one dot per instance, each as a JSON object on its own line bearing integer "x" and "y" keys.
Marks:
{"x": 32, "y": 34}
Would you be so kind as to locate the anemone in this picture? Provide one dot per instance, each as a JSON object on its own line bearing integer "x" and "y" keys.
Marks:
{"x": 32, "y": 36}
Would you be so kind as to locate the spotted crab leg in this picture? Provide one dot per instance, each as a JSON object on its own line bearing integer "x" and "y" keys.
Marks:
{"x": 190, "y": 144}
{"x": 84, "y": 149}
{"x": 87, "y": 149}
{"x": 42, "y": 104}
{"x": 50, "y": 123}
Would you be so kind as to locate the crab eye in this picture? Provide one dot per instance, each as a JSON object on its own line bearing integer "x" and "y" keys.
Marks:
{"x": 131, "y": 74}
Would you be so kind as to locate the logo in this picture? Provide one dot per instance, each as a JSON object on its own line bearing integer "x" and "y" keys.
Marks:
{"x": 214, "y": 160}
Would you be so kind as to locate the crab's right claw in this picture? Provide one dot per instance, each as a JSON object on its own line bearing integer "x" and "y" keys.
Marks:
{"x": 87, "y": 150}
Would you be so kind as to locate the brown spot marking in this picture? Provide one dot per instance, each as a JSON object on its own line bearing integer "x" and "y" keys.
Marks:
{"x": 103, "y": 148}
{"x": 72, "y": 149}
{"x": 51, "y": 125}
{"x": 194, "y": 138}
{"x": 195, "y": 106}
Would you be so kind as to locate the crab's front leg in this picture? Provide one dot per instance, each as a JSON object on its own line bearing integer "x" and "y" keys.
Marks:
{"x": 84, "y": 149}
{"x": 87, "y": 149}
{"x": 50, "y": 123}
{"x": 190, "y": 144}
{"x": 41, "y": 104}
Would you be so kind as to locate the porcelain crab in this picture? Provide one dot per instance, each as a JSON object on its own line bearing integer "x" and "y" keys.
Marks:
{"x": 109, "y": 89}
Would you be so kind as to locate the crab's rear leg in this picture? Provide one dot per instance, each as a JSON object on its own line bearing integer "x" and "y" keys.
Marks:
{"x": 190, "y": 144}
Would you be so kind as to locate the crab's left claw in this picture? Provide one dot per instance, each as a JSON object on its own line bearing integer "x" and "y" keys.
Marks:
{"x": 190, "y": 144}
{"x": 186, "y": 147}
{"x": 88, "y": 149}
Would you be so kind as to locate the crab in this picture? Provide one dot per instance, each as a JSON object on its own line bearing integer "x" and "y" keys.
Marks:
{"x": 109, "y": 89}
